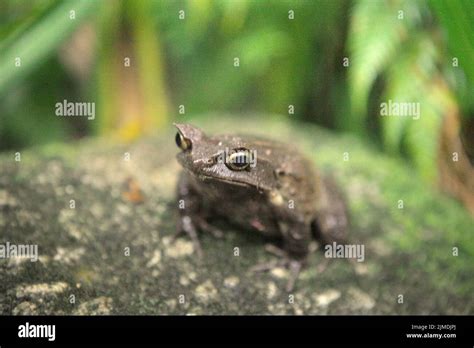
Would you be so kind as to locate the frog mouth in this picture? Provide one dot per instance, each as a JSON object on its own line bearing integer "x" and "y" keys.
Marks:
{"x": 227, "y": 181}
{"x": 202, "y": 176}
{"x": 205, "y": 173}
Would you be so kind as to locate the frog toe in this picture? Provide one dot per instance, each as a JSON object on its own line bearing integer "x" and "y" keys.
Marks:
{"x": 186, "y": 226}
{"x": 267, "y": 266}
{"x": 206, "y": 227}
{"x": 294, "y": 267}
{"x": 273, "y": 249}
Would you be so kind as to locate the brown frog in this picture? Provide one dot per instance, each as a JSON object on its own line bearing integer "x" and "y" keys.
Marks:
{"x": 259, "y": 185}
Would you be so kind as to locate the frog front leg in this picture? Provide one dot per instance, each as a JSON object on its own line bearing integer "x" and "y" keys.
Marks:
{"x": 296, "y": 239}
{"x": 188, "y": 210}
{"x": 191, "y": 215}
{"x": 296, "y": 234}
{"x": 332, "y": 218}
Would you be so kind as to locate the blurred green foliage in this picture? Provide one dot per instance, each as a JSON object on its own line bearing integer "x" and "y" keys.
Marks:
{"x": 457, "y": 18}
{"x": 183, "y": 53}
{"x": 31, "y": 80}
{"x": 404, "y": 52}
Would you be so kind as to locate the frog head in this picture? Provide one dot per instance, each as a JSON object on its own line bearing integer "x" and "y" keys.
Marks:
{"x": 225, "y": 158}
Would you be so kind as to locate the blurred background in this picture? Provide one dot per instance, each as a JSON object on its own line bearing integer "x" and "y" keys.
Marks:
{"x": 330, "y": 62}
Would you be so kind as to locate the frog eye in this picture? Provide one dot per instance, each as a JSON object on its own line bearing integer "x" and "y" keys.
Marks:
{"x": 182, "y": 142}
{"x": 239, "y": 160}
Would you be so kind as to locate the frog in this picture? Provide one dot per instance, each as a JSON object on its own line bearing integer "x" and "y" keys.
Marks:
{"x": 259, "y": 185}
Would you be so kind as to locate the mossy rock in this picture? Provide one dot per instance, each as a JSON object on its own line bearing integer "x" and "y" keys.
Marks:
{"x": 84, "y": 251}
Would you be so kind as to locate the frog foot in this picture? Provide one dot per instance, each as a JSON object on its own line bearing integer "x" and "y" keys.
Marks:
{"x": 204, "y": 226}
{"x": 293, "y": 265}
{"x": 186, "y": 225}
{"x": 189, "y": 226}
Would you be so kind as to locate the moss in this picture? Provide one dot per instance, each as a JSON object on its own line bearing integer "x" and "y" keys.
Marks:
{"x": 408, "y": 251}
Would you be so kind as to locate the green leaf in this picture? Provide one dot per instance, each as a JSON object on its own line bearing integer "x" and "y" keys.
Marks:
{"x": 40, "y": 39}
{"x": 376, "y": 37}
{"x": 457, "y": 18}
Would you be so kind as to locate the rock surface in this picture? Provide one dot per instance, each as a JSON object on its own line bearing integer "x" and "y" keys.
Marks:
{"x": 103, "y": 226}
